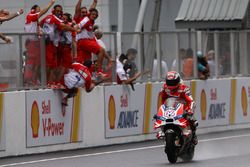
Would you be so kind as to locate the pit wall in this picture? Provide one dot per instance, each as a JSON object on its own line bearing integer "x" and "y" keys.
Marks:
{"x": 35, "y": 121}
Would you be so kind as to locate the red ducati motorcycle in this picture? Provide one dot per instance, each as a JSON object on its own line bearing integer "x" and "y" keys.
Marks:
{"x": 176, "y": 131}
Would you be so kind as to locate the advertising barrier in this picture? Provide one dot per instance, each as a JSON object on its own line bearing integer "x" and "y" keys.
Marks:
{"x": 111, "y": 114}
{"x": 212, "y": 102}
{"x": 152, "y": 103}
{"x": 242, "y": 102}
{"x": 48, "y": 122}
{"x": 124, "y": 110}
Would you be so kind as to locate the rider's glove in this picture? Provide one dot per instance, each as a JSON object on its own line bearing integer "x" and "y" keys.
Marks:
{"x": 187, "y": 114}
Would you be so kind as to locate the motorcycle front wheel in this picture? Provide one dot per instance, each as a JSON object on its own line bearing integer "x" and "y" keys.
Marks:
{"x": 170, "y": 148}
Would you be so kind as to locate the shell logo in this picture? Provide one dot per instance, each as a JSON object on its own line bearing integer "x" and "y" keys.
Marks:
{"x": 111, "y": 112}
{"x": 35, "y": 120}
{"x": 203, "y": 104}
{"x": 244, "y": 103}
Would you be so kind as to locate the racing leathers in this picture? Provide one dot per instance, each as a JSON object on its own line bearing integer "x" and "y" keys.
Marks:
{"x": 182, "y": 92}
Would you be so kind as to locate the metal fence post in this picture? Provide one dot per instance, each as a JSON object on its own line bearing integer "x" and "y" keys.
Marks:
{"x": 232, "y": 53}
{"x": 43, "y": 62}
{"x": 216, "y": 51}
{"x": 20, "y": 64}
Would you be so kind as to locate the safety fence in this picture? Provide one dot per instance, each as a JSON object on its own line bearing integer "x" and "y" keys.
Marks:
{"x": 226, "y": 51}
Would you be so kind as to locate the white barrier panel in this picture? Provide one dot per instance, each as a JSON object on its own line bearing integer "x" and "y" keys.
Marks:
{"x": 124, "y": 110}
{"x": 212, "y": 99}
{"x": 2, "y": 123}
{"x": 242, "y": 107}
{"x": 47, "y": 122}
{"x": 152, "y": 103}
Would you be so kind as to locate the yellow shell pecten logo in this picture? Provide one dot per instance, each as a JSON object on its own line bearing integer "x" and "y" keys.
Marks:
{"x": 111, "y": 112}
{"x": 35, "y": 120}
{"x": 244, "y": 103}
{"x": 203, "y": 104}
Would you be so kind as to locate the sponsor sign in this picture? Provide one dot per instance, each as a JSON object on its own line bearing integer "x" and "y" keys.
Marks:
{"x": 212, "y": 102}
{"x": 48, "y": 122}
{"x": 242, "y": 98}
{"x": 152, "y": 104}
{"x": 124, "y": 110}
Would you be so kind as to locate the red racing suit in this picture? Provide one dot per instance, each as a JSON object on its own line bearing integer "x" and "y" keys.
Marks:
{"x": 78, "y": 76}
{"x": 182, "y": 92}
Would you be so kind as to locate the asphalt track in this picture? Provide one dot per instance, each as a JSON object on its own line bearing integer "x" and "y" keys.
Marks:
{"x": 224, "y": 149}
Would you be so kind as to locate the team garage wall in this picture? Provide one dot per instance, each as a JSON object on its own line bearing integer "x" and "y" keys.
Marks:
{"x": 35, "y": 121}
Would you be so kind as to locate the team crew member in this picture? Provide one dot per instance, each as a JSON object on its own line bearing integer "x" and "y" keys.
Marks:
{"x": 86, "y": 41}
{"x": 67, "y": 44}
{"x": 81, "y": 12}
{"x": 31, "y": 74}
{"x": 52, "y": 25}
{"x": 77, "y": 76}
{"x": 32, "y": 18}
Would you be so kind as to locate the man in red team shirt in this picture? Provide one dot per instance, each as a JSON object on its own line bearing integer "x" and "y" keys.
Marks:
{"x": 52, "y": 25}
{"x": 81, "y": 12}
{"x": 78, "y": 76}
{"x": 31, "y": 73}
{"x": 67, "y": 43}
{"x": 86, "y": 41}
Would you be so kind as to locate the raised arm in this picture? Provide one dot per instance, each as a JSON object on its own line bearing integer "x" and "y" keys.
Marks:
{"x": 6, "y": 39}
{"x": 93, "y": 5}
{"x": 45, "y": 10}
{"x": 11, "y": 16}
{"x": 78, "y": 8}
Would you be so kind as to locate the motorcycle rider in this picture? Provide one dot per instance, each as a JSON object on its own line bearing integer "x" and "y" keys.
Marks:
{"x": 175, "y": 88}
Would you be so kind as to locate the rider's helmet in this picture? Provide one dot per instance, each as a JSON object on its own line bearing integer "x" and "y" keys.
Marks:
{"x": 172, "y": 80}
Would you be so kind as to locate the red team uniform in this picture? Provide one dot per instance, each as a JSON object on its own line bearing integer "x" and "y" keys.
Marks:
{"x": 51, "y": 27}
{"x": 65, "y": 58}
{"x": 182, "y": 93}
{"x": 78, "y": 19}
{"x": 78, "y": 76}
{"x": 87, "y": 43}
{"x": 32, "y": 44}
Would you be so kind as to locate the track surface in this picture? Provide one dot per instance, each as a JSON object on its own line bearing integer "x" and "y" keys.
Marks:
{"x": 222, "y": 149}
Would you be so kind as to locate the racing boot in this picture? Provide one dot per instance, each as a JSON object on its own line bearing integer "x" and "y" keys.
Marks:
{"x": 194, "y": 124}
{"x": 160, "y": 135}
{"x": 194, "y": 138}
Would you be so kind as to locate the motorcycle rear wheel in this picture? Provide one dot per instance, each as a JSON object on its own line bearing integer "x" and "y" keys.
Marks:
{"x": 188, "y": 156}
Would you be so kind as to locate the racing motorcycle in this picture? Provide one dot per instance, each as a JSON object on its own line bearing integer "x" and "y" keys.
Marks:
{"x": 171, "y": 118}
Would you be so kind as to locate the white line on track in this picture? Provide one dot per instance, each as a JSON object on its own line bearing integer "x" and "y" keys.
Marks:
{"x": 112, "y": 152}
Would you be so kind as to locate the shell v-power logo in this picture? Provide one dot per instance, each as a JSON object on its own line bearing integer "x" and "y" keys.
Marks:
{"x": 203, "y": 105}
{"x": 35, "y": 120}
{"x": 111, "y": 112}
{"x": 244, "y": 102}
